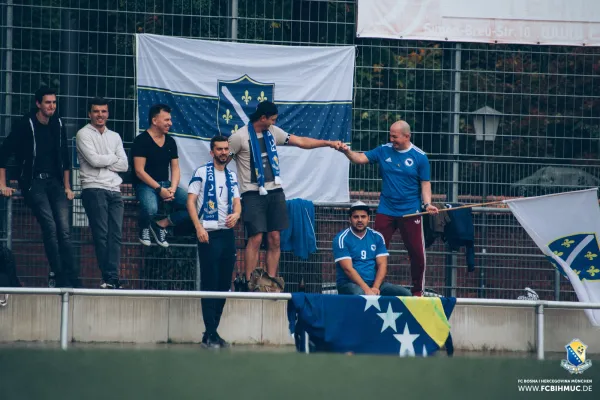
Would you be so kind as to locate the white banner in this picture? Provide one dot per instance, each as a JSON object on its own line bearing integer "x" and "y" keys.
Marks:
{"x": 550, "y": 22}
{"x": 566, "y": 227}
{"x": 213, "y": 86}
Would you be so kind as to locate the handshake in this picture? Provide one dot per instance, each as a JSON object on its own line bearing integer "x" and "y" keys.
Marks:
{"x": 339, "y": 146}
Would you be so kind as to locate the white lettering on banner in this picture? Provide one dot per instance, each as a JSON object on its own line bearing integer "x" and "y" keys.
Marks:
{"x": 557, "y": 22}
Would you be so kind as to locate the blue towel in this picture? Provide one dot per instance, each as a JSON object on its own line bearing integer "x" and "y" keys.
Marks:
{"x": 300, "y": 236}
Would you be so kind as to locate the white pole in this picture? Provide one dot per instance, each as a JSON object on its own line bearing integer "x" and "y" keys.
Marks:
{"x": 64, "y": 321}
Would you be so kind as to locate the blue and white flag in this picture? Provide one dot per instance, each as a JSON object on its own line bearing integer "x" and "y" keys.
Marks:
{"x": 566, "y": 227}
{"x": 405, "y": 326}
{"x": 213, "y": 87}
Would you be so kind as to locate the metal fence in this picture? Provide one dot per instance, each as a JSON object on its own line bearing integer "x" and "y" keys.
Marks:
{"x": 546, "y": 101}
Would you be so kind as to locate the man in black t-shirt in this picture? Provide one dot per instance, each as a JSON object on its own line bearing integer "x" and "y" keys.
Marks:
{"x": 154, "y": 152}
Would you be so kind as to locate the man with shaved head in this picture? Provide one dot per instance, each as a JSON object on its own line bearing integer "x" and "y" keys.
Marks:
{"x": 406, "y": 179}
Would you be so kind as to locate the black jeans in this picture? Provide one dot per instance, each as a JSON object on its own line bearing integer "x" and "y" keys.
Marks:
{"x": 104, "y": 209}
{"x": 217, "y": 259}
{"x": 49, "y": 204}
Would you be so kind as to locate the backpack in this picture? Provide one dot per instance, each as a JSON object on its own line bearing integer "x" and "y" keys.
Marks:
{"x": 260, "y": 281}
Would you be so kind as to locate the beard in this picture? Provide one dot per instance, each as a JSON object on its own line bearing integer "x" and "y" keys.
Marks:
{"x": 221, "y": 160}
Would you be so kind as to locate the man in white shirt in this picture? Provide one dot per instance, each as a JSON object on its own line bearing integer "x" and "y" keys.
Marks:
{"x": 101, "y": 158}
{"x": 214, "y": 207}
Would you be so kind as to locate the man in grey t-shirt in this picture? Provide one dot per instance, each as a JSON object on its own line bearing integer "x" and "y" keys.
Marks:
{"x": 263, "y": 201}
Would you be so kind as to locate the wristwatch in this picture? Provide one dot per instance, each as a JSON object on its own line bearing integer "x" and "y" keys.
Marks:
{"x": 158, "y": 189}
{"x": 424, "y": 206}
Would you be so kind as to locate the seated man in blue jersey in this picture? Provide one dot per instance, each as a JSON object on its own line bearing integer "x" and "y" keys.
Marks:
{"x": 361, "y": 258}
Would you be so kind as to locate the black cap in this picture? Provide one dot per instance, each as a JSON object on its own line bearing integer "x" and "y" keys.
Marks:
{"x": 266, "y": 108}
{"x": 359, "y": 205}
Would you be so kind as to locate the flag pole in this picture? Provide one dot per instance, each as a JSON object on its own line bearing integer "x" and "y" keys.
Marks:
{"x": 455, "y": 208}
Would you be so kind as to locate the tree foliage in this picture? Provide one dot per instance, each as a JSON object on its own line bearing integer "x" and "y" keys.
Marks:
{"x": 548, "y": 96}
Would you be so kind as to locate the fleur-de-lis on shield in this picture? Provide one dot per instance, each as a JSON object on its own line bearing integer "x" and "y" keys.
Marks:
{"x": 577, "y": 272}
{"x": 262, "y": 97}
{"x": 567, "y": 243}
{"x": 235, "y": 128}
{"x": 558, "y": 253}
{"x": 593, "y": 271}
{"x": 246, "y": 97}
{"x": 590, "y": 256}
{"x": 227, "y": 116}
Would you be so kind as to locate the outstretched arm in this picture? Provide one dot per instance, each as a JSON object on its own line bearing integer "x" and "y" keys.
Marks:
{"x": 308, "y": 143}
{"x": 353, "y": 156}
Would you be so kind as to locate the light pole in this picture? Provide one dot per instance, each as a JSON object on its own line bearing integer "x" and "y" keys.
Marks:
{"x": 486, "y": 121}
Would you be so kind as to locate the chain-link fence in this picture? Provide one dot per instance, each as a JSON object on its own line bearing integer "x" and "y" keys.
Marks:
{"x": 542, "y": 102}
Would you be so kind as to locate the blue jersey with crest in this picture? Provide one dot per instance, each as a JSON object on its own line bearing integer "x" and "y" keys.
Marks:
{"x": 402, "y": 172}
{"x": 362, "y": 252}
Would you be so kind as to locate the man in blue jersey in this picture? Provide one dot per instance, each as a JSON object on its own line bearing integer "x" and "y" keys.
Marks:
{"x": 406, "y": 179}
{"x": 361, "y": 258}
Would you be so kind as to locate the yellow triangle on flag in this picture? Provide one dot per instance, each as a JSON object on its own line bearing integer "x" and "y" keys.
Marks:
{"x": 429, "y": 313}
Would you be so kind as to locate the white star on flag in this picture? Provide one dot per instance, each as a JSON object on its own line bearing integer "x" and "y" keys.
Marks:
{"x": 406, "y": 340}
{"x": 371, "y": 301}
{"x": 389, "y": 318}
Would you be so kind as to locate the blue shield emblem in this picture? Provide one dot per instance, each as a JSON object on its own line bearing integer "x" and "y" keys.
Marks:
{"x": 238, "y": 100}
{"x": 576, "y": 361}
{"x": 581, "y": 252}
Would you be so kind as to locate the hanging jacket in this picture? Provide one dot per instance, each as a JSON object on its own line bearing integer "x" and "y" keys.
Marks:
{"x": 300, "y": 237}
{"x": 21, "y": 143}
{"x": 454, "y": 228}
{"x": 460, "y": 232}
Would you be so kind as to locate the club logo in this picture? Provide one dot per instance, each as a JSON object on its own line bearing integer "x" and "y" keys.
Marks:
{"x": 576, "y": 362}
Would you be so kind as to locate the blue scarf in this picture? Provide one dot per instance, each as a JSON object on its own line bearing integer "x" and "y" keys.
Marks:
{"x": 257, "y": 157}
{"x": 210, "y": 208}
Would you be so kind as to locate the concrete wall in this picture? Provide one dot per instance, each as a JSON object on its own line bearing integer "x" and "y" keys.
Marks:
{"x": 155, "y": 320}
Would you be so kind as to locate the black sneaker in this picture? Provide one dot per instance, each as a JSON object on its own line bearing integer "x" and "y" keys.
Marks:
{"x": 160, "y": 234}
{"x": 111, "y": 284}
{"x": 209, "y": 341}
{"x": 243, "y": 285}
{"x": 222, "y": 342}
{"x": 144, "y": 237}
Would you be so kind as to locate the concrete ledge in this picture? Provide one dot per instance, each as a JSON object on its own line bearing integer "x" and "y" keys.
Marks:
{"x": 30, "y": 318}
{"x": 120, "y": 319}
{"x": 155, "y": 320}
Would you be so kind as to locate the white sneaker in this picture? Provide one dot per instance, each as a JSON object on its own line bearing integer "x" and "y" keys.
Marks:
{"x": 3, "y": 300}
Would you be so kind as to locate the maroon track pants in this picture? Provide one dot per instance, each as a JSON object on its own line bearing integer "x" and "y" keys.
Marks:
{"x": 411, "y": 230}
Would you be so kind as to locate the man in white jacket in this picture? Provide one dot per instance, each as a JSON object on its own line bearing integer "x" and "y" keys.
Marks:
{"x": 101, "y": 158}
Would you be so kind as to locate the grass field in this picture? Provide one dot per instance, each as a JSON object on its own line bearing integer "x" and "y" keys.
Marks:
{"x": 194, "y": 373}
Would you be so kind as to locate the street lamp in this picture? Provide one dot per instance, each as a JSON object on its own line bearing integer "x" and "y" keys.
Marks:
{"x": 486, "y": 121}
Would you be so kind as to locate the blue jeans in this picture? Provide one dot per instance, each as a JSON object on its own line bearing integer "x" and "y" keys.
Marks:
{"x": 386, "y": 289}
{"x": 149, "y": 202}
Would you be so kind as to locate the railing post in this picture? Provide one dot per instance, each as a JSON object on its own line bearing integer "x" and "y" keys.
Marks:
{"x": 64, "y": 320}
{"x": 539, "y": 313}
{"x": 306, "y": 343}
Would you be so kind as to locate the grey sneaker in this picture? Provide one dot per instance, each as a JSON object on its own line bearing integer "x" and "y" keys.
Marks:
{"x": 144, "y": 237}
{"x": 160, "y": 234}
